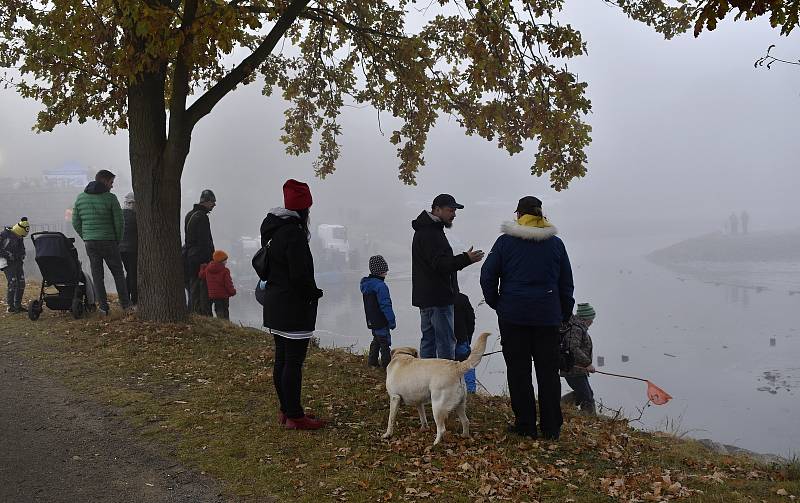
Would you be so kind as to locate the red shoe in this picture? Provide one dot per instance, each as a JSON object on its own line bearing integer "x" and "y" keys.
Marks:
{"x": 282, "y": 417}
{"x": 304, "y": 423}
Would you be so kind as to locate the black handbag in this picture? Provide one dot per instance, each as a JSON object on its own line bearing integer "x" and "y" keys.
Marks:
{"x": 261, "y": 262}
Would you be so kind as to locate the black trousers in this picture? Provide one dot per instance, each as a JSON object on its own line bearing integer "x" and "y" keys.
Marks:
{"x": 222, "y": 308}
{"x": 290, "y": 354}
{"x": 379, "y": 345}
{"x": 520, "y": 344}
{"x": 130, "y": 261}
{"x": 108, "y": 252}
{"x": 15, "y": 276}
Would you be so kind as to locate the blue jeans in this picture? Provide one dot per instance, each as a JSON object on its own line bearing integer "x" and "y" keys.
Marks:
{"x": 438, "y": 338}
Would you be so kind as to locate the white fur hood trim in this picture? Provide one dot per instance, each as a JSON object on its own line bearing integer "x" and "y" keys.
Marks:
{"x": 526, "y": 232}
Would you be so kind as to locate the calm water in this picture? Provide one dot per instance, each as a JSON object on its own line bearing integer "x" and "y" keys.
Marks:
{"x": 723, "y": 343}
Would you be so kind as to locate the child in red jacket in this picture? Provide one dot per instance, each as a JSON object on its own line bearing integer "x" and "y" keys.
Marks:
{"x": 220, "y": 285}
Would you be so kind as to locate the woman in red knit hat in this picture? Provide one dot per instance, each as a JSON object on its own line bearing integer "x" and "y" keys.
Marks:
{"x": 290, "y": 300}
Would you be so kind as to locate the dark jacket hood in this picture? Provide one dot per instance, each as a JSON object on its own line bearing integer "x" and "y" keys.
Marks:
{"x": 96, "y": 187}
{"x": 424, "y": 220}
{"x": 277, "y": 218}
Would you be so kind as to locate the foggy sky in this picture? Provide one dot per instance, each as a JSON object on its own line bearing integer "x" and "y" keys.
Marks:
{"x": 685, "y": 131}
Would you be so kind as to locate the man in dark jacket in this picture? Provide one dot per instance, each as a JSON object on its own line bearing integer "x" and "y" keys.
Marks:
{"x": 97, "y": 218}
{"x": 198, "y": 250}
{"x": 129, "y": 247}
{"x": 12, "y": 250}
{"x": 527, "y": 279}
{"x": 433, "y": 276}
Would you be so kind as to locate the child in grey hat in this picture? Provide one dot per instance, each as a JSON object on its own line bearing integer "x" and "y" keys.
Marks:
{"x": 378, "y": 311}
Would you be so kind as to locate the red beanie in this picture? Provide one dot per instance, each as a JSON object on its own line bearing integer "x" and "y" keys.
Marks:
{"x": 296, "y": 195}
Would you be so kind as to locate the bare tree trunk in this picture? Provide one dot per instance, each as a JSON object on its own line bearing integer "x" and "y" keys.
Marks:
{"x": 156, "y": 167}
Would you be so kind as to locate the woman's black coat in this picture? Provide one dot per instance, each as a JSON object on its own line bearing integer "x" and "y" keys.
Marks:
{"x": 291, "y": 295}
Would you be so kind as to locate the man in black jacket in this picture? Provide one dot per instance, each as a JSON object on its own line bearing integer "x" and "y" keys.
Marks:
{"x": 433, "y": 276}
{"x": 198, "y": 250}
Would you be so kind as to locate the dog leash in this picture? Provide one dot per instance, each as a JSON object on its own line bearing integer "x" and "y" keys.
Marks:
{"x": 492, "y": 353}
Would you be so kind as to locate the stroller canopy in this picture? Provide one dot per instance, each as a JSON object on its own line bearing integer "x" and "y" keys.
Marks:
{"x": 57, "y": 258}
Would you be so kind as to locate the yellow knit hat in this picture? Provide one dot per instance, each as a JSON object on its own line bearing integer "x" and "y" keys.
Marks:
{"x": 22, "y": 228}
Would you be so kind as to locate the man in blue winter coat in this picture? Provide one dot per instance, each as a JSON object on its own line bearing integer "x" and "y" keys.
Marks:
{"x": 433, "y": 276}
{"x": 378, "y": 310}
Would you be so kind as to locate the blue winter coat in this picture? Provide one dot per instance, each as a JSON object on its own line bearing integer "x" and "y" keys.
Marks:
{"x": 534, "y": 275}
{"x": 375, "y": 285}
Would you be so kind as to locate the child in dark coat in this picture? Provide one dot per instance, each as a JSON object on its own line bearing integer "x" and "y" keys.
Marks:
{"x": 464, "y": 327}
{"x": 576, "y": 332}
{"x": 378, "y": 310}
{"x": 219, "y": 283}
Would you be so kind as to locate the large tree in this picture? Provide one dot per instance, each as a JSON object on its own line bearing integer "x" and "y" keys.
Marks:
{"x": 157, "y": 67}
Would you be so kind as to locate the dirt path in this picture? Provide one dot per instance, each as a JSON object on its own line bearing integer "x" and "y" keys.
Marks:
{"x": 58, "y": 447}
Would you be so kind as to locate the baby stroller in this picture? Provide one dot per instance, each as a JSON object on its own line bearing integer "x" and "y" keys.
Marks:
{"x": 58, "y": 261}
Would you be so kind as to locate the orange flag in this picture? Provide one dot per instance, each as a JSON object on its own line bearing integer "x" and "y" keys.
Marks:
{"x": 657, "y": 395}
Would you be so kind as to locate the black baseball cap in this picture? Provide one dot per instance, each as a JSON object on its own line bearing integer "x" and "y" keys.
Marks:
{"x": 528, "y": 204}
{"x": 446, "y": 201}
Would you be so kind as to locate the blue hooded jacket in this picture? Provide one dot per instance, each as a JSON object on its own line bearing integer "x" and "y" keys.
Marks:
{"x": 534, "y": 275}
{"x": 375, "y": 285}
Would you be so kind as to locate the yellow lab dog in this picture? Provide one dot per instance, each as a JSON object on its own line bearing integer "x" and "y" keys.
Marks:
{"x": 417, "y": 381}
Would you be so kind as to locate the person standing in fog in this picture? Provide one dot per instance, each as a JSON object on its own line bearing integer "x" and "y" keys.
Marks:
{"x": 129, "y": 247}
{"x": 745, "y": 219}
{"x": 527, "y": 280}
{"x": 734, "y": 221}
{"x": 434, "y": 284}
{"x": 290, "y": 300}
{"x": 197, "y": 251}
{"x": 97, "y": 218}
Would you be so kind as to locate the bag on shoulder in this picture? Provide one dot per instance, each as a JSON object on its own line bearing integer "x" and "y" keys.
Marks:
{"x": 261, "y": 262}
{"x": 566, "y": 360}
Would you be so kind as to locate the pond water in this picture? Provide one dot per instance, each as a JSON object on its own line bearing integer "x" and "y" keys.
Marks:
{"x": 723, "y": 341}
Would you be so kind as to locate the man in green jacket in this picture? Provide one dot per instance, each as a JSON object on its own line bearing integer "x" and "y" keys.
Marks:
{"x": 97, "y": 218}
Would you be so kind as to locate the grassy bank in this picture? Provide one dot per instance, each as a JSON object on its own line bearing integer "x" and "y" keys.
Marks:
{"x": 203, "y": 389}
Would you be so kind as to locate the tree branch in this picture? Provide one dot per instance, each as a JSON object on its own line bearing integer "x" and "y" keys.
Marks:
{"x": 210, "y": 98}
{"x": 181, "y": 75}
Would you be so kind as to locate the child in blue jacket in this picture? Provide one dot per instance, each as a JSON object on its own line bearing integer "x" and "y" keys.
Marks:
{"x": 464, "y": 327}
{"x": 378, "y": 310}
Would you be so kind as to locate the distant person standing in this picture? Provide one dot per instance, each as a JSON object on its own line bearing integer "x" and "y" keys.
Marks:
{"x": 734, "y": 221}
{"x": 198, "y": 250}
{"x": 12, "y": 250}
{"x": 745, "y": 219}
{"x": 129, "y": 247}
{"x": 433, "y": 276}
{"x": 97, "y": 218}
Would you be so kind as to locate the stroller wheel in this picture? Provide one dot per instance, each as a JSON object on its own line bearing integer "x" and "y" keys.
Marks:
{"x": 77, "y": 309}
{"x": 34, "y": 310}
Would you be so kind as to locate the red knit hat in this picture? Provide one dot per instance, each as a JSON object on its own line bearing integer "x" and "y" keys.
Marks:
{"x": 296, "y": 195}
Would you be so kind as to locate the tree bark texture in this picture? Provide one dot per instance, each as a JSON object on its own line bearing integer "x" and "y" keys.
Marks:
{"x": 156, "y": 167}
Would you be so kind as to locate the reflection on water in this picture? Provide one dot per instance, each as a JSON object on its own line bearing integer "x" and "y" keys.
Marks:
{"x": 724, "y": 347}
